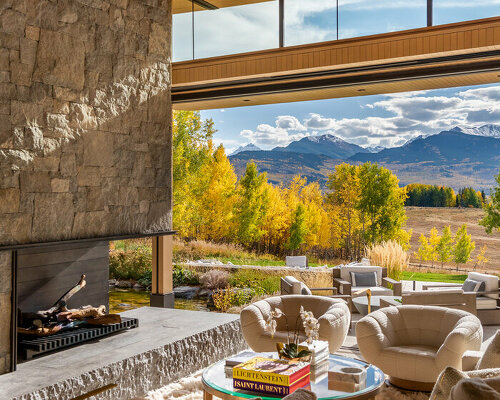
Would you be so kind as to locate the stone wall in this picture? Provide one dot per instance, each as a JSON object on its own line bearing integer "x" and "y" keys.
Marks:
{"x": 85, "y": 120}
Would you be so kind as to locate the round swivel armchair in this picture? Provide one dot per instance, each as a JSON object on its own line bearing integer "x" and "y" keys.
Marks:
{"x": 413, "y": 344}
{"x": 332, "y": 314}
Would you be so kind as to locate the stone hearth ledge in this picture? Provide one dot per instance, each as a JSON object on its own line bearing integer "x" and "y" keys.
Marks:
{"x": 167, "y": 345}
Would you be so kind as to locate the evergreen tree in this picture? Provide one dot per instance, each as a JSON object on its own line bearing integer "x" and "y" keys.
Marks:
{"x": 298, "y": 230}
{"x": 444, "y": 248}
{"x": 491, "y": 219}
{"x": 464, "y": 246}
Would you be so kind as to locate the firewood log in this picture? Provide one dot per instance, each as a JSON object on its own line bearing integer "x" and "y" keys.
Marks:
{"x": 82, "y": 313}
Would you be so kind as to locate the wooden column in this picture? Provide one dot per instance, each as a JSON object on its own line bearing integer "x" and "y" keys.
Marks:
{"x": 162, "y": 287}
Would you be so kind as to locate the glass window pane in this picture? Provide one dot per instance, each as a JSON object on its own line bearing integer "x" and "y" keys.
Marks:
{"x": 310, "y": 21}
{"x": 448, "y": 11}
{"x": 236, "y": 29}
{"x": 182, "y": 37}
{"x": 368, "y": 17}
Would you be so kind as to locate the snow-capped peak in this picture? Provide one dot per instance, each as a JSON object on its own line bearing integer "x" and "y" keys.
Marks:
{"x": 247, "y": 147}
{"x": 489, "y": 130}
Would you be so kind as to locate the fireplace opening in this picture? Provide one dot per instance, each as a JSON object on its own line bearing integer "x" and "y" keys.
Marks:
{"x": 62, "y": 297}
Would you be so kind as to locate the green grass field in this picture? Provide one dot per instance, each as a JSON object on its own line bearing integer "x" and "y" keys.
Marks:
{"x": 432, "y": 277}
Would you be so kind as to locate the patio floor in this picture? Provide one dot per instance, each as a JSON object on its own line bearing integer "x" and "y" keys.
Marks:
{"x": 168, "y": 344}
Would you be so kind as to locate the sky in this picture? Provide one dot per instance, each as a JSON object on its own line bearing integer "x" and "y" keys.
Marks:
{"x": 386, "y": 120}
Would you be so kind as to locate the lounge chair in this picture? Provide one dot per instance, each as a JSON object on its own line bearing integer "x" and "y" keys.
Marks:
{"x": 344, "y": 279}
{"x": 487, "y": 295}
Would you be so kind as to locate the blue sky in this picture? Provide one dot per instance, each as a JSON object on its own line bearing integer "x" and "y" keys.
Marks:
{"x": 368, "y": 120}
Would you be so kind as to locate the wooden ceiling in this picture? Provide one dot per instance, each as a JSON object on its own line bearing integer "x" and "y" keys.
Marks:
{"x": 460, "y": 54}
{"x": 184, "y": 6}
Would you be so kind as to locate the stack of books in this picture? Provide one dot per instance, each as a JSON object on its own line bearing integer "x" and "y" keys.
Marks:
{"x": 271, "y": 376}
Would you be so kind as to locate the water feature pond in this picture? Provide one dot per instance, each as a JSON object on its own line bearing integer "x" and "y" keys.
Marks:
{"x": 128, "y": 299}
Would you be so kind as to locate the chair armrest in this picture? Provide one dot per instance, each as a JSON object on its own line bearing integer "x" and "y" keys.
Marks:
{"x": 397, "y": 286}
{"x": 426, "y": 287}
{"x": 344, "y": 286}
{"x": 466, "y": 335}
{"x": 331, "y": 289}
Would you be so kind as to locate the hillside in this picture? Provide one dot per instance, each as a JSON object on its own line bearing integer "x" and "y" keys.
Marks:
{"x": 452, "y": 158}
{"x": 328, "y": 145}
{"x": 446, "y": 148}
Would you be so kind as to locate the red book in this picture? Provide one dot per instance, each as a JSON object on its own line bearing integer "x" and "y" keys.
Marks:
{"x": 268, "y": 388}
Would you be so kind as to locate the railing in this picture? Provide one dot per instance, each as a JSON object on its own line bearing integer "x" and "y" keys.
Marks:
{"x": 281, "y": 23}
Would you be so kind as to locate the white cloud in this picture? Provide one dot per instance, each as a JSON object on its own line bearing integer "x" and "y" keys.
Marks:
{"x": 405, "y": 116}
{"x": 289, "y": 123}
{"x": 316, "y": 121}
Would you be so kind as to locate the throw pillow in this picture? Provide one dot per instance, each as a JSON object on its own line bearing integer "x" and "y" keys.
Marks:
{"x": 364, "y": 279}
{"x": 470, "y": 285}
{"x": 491, "y": 356}
{"x": 473, "y": 389}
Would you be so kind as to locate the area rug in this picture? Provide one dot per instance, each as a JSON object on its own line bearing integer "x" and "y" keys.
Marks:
{"x": 189, "y": 388}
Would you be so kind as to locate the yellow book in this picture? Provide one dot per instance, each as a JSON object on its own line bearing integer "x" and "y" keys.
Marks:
{"x": 271, "y": 371}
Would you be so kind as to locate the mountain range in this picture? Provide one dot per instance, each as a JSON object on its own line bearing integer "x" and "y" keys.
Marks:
{"x": 461, "y": 156}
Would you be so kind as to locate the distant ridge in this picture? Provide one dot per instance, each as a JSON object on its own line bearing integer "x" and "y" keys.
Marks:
{"x": 327, "y": 145}
{"x": 247, "y": 147}
{"x": 454, "y": 157}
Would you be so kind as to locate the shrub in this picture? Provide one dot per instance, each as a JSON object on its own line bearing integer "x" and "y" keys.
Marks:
{"x": 130, "y": 264}
{"x": 223, "y": 298}
{"x": 257, "y": 280}
{"x": 391, "y": 255}
{"x": 183, "y": 277}
{"x": 214, "y": 279}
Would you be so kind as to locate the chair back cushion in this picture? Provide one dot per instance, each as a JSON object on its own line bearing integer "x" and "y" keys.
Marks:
{"x": 345, "y": 272}
{"x": 290, "y": 305}
{"x": 364, "y": 279}
{"x": 291, "y": 285}
{"x": 491, "y": 282}
{"x": 418, "y": 325}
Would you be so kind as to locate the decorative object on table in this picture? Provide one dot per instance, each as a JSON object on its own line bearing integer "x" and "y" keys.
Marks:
{"x": 318, "y": 349}
{"x": 291, "y": 349}
{"x": 319, "y": 371}
{"x": 332, "y": 314}
{"x": 244, "y": 356}
{"x": 270, "y": 376}
{"x": 368, "y": 293}
{"x": 346, "y": 378}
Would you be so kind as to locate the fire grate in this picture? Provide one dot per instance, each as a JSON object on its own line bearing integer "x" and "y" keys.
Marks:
{"x": 33, "y": 347}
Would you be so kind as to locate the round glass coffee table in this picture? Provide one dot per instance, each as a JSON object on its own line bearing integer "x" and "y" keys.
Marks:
{"x": 217, "y": 381}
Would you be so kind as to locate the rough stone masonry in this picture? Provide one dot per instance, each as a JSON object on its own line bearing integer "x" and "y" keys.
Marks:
{"x": 85, "y": 123}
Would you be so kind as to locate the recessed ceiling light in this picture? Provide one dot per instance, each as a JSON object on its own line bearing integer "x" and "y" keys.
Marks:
{"x": 361, "y": 90}
{"x": 246, "y": 100}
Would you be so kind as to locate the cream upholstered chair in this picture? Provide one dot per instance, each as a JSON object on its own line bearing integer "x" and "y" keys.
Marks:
{"x": 332, "y": 315}
{"x": 481, "y": 374}
{"x": 413, "y": 344}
